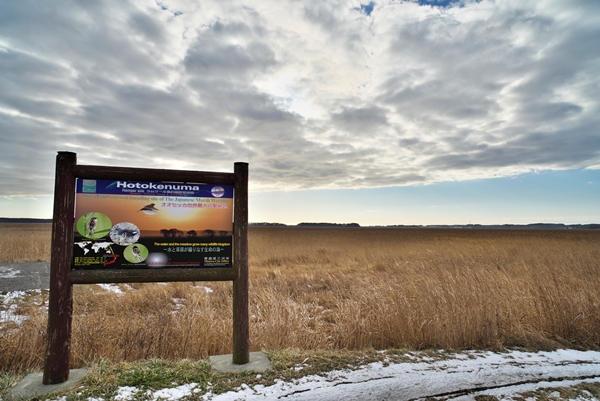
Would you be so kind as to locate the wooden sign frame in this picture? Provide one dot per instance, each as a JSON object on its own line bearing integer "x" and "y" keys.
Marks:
{"x": 62, "y": 278}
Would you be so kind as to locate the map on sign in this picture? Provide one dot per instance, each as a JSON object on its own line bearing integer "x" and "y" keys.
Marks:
{"x": 94, "y": 247}
{"x": 141, "y": 224}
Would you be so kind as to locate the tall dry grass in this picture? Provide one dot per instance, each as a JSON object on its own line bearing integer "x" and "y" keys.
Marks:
{"x": 355, "y": 288}
{"x": 319, "y": 288}
{"x": 25, "y": 242}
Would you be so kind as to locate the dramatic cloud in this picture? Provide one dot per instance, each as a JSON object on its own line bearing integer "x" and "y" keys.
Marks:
{"x": 313, "y": 94}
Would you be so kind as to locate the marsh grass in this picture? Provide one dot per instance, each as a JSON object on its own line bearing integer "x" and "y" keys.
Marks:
{"x": 25, "y": 242}
{"x": 347, "y": 289}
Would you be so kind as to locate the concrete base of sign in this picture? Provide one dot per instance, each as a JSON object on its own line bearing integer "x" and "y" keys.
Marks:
{"x": 224, "y": 363}
{"x": 31, "y": 386}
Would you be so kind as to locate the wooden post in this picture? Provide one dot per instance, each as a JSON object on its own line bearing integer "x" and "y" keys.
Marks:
{"x": 241, "y": 343}
{"x": 60, "y": 308}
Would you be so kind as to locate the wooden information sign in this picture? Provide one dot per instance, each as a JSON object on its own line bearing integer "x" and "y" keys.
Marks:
{"x": 126, "y": 225}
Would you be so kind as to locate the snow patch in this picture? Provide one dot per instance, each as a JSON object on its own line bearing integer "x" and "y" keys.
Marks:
{"x": 9, "y": 306}
{"x": 126, "y": 393}
{"x": 205, "y": 288}
{"x": 112, "y": 288}
{"x": 176, "y": 393}
{"x": 8, "y": 272}
{"x": 178, "y": 303}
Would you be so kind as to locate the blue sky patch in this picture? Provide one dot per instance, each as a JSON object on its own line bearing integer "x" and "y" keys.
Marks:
{"x": 436, "y": 3}
{"x": 367, "y": 8}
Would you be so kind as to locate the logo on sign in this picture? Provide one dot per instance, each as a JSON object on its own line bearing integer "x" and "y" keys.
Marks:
{"x": 217, "y": 192}
{"x": 89, "y": 186}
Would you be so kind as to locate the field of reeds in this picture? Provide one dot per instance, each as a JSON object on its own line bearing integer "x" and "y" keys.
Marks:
{"x": 344, "y": 288}
{"x": 25, "y": 242}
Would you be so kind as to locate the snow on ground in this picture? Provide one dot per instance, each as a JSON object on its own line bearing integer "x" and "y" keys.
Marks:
{"x": 8, "y": 272}
{"x": 112, "y": 288}
{"x": 503, "y": 375}
{"x": 204, "y": 287}
{"x": 468, "y": 375}
{"x": 8, "y": 308}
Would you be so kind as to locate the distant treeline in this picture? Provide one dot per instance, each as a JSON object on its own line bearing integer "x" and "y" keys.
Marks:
{"x": 23, "y": 220}
{"x": 328, "y": 225}
{"x": 262, "y": 224}
{"x": 535, "y": 226}
{"x": 305, "y": 225}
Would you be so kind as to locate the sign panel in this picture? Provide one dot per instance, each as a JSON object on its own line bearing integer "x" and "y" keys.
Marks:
{"x": 140, "y": 224}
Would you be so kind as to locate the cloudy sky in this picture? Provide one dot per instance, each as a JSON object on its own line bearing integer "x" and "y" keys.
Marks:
{"x": 385, "y": 112}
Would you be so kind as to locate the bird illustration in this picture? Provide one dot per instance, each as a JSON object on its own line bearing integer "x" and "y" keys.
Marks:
{"x": 149, "y": 209}
{"x": 136, "y": 253}
{"x": 92, "y": 226}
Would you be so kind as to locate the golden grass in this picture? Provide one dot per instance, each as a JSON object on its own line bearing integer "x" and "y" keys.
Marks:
{"x": 25, "y": 242}
{"x": 329, "y": 289}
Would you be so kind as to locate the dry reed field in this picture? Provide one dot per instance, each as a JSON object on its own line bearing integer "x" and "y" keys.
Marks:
{"x": 25, "y": 242}
{"x": 346, "y": 288}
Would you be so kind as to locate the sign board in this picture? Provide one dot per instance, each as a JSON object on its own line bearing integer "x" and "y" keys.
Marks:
{"x": 124, "y": 224}
{"x": 133, "y": 225}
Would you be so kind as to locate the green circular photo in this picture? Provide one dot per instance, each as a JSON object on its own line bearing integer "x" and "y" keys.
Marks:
{"x": 94, "y": 225}
{"x": 136, "y": 253}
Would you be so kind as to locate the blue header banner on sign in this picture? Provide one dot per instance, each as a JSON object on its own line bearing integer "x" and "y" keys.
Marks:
{"x": 147, "y": 188}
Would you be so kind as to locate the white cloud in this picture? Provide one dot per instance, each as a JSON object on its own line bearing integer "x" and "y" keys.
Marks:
{"x": 312, "y": 94}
